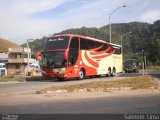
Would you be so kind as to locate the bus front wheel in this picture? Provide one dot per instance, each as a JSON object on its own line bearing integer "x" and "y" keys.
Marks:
{"x": 60, "y": 79}
{"x": 81, "y": 74}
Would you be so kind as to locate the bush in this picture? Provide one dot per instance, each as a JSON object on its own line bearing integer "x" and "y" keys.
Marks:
{"x": 153, "y": 67}
{"x": 12, "y": 78}
{"x": 21, "y": 79}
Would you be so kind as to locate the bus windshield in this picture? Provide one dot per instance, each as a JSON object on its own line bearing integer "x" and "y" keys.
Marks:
{"x": 57, "y": 43}
{"x": 53, "y": 59}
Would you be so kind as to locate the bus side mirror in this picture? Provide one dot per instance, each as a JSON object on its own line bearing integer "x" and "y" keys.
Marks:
{"x": 66, "y": 54}
{"x": 38, "y": 56}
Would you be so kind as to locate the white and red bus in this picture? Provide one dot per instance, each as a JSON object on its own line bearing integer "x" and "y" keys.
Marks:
{"x": 76, "y": 56}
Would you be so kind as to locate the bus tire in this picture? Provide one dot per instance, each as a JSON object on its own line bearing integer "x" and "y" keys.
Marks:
{"x": 60, "y": 79}
{"x": 81, "y": 74}
{"x": 109, "y": 72}
{"x": 113, "y": 72}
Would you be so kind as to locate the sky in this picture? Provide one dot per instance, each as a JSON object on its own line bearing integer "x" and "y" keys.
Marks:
{"x": 32, "y": 19}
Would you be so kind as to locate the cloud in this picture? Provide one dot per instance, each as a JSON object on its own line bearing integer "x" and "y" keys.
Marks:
{"x": 23, "y": 19}
{"x": 150, "y": 16}
{"x": 33, "y": 6}
{"x": 16, "y": 23}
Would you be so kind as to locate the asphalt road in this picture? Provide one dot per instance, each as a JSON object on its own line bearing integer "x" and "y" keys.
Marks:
{"x": 136, "y": 104}
{"x": 149, "y": 103}
{"x": 32, "y": 86}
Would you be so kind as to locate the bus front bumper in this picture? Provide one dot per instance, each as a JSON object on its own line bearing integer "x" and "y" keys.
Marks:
{"x": 55, "y": 73}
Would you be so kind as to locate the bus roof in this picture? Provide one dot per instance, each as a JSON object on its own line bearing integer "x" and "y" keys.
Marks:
{"x": 76, "y": 35}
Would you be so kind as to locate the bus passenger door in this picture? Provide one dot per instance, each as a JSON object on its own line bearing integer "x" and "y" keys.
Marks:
{"x": 73, "y": 56}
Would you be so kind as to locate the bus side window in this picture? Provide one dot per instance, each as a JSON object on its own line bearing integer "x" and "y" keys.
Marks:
{"x": 73, "y": 51}
{"x": 83, "y": 44}
{"x": 91, "y": 44}
{"x": 104, "y": 47}
{"x": 111, "y": 49}
{"x": 98, "y": 44}
{"x": 117, "y": 50}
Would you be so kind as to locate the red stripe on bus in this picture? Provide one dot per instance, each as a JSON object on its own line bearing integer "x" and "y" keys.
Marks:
{"x": 97, "y": 48}
{"x": 100, "y": 52}
{"x": 103, "y": 56}
{"x": 95, "y": 64}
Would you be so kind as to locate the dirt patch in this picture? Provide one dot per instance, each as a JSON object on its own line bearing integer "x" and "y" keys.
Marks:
{"x": 98, "y": 94}
{"x": 136, "y": 86}
{"x": 134, "y": 83}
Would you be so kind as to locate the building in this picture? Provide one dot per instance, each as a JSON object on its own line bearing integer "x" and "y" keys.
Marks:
{"x": 3, "y": 62}
{"x": 3, "y": 57}
{"x": 18, "y": 60}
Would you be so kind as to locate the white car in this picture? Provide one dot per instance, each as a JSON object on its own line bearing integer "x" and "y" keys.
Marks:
{"x": 36, "y": 67}
{"x": 2, "y": 69}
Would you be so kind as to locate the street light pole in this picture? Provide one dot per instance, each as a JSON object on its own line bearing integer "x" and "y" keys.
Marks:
{"x": 122, "y": 45}
{"x": 143, "y": 64}
{"x": 28, "y": 54}
{"x": 110, "y": 28}
{"x": 122, "y": 40}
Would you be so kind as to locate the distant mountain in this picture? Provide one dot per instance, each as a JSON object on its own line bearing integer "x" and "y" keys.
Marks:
{"x": 144, "y": 37}
{"x": 5, "y": 44}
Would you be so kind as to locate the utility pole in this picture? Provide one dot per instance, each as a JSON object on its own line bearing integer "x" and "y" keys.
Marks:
{"x": 143, "y": 63}
{"x": 110, "y": 28}
{"x": 125, "y": 34}
{"x": 28, "y": 55}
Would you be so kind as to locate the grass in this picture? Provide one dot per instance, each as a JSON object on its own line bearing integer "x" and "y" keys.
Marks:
{"x": 141, "y": 82}
{"x": 12, "y": 78}
{"x": 21, "y": 79}
{"x": 153, "y": 67}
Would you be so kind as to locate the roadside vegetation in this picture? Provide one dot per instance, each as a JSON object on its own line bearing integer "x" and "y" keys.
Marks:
{"x": 12, "y": 78}
{"x": 22, "y": 79}
{"x": 144, "y": 36}
{"x": 134, "y": 83}
{"x": 153, "y": 67}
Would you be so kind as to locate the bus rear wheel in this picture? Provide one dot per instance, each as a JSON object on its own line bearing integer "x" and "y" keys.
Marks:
{"x": 81, "y": 74}
{"x": 109, "y": 72}
{"x": 113, "y": 72}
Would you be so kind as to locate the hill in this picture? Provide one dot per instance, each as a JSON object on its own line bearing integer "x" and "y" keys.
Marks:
{"x": 5, "y": 44}
{"x": 144, "y": 36}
